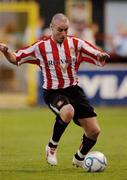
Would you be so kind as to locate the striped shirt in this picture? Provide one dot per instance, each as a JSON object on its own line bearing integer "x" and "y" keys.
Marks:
{"x": 59, "y": 63}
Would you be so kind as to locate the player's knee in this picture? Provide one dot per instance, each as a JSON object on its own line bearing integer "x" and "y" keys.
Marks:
{"x": 94, "y": 133}
{"x": 67, "y": 113}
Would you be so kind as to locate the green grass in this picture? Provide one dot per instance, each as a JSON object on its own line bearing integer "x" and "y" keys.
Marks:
{"x": 24, "y": 134}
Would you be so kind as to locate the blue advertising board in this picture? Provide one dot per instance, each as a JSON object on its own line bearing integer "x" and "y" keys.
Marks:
{"x": 105, "y": 87}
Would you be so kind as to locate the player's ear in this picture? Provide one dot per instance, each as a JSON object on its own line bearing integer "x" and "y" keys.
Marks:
{"x": 51, "y": 26}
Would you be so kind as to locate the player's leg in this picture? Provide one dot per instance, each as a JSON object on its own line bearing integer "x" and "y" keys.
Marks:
{"x": 64, "y": 113}
{"x": 91, "y": 133}
{"x": 61, "y": 106}
{"x": 86, "y": 118}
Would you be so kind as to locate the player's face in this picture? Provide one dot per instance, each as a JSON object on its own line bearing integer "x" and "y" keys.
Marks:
{"x": 59, "y": 31}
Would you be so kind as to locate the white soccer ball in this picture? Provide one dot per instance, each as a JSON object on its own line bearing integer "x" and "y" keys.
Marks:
{"x": 95, "y": 161}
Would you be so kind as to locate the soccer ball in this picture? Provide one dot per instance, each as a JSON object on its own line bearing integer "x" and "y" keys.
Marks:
{"x": 95, "y": 161}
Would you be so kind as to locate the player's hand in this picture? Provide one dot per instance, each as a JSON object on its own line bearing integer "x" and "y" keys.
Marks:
{"x": 102, "y": 56}
{"x": 10, "y": 56}
{"x": 3, "y": 48}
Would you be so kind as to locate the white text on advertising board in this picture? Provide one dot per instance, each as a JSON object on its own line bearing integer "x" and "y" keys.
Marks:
{"x": 107, "y": 85}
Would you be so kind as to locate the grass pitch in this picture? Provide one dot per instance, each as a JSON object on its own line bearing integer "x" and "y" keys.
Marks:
{"x": 24, "y": 134}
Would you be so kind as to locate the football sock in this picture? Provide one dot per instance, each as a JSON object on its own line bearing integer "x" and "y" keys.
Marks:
{"x": 79, "y": 156}
{"x": 58, "y": 129}
{"x": 85, "y": 147}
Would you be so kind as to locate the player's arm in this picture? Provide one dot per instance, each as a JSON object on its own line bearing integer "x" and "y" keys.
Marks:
{"x": 10, "y": 56}
{"x": 27, "y": 54}
{"x": 92, "y": 54}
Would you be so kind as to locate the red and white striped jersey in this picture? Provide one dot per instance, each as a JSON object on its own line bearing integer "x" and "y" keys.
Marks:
{"x": 59, "y": 63}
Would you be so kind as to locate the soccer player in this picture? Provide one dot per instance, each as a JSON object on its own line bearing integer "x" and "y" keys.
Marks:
{"x": 59, "y": 57}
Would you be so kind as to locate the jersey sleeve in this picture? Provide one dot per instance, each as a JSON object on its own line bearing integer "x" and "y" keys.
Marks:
{"x": 27, "y": 55}
{"x": 89, "y": 52}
